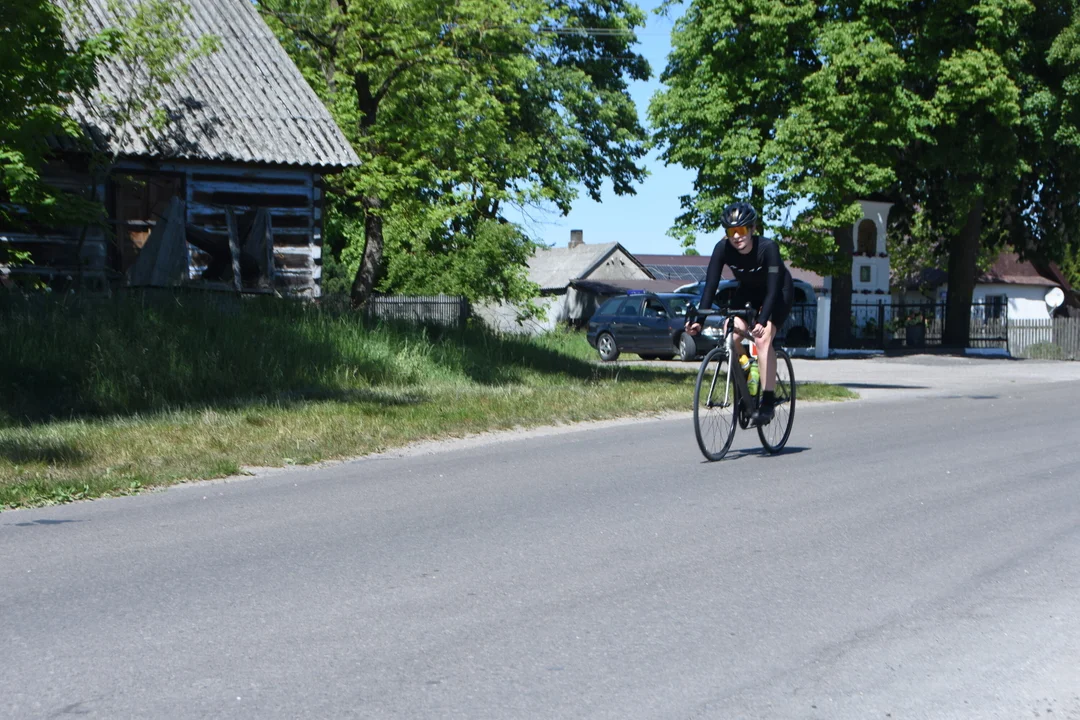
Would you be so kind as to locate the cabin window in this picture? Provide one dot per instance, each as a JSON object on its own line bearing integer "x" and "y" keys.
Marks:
{"x": 138, "y": 202}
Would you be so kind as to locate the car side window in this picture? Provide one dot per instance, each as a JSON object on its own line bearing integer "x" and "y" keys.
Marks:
{"x": 800, "y": 295}
{"x": 678, "y": 306}
{"x": 631, "y": 307}
{"x": 610, "y": 306}
{"x": 654, "y": 308}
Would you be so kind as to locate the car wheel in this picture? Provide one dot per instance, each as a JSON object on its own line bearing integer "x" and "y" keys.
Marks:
{"x": 798, "y": 337}
{"x": 605, "y": 345}
{"x": 687, "y": 347}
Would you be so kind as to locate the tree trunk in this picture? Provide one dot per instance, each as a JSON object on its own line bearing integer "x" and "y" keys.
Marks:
{"x": 367, "y": 275}
{"x": 840, "y": 314}
{"x": 963, "y": 256}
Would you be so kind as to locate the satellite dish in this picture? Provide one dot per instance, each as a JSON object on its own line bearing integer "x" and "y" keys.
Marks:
{"x": 1055, "y": 297}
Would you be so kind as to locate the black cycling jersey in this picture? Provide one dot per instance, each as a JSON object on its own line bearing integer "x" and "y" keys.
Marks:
{"x": 761, "y": 273}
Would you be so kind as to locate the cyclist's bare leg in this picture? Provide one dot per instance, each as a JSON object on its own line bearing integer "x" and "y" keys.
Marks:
{"x": 741, "y": 332}
{"x": 767, "y": 357}
{"x": 766, "y": 351}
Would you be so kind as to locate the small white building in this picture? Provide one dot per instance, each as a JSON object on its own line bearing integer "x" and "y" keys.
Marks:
{"x": 1016, "y": 286}
{"x": 559, "y": 271}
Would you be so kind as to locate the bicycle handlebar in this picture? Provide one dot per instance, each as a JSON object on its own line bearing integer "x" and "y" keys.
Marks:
{"x": 748, "y": 313}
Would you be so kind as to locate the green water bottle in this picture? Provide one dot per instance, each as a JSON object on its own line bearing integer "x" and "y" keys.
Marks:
{"x": 753, "y": 380}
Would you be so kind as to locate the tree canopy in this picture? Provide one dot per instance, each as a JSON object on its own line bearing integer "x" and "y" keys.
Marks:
{"x": 459, "y": 110}
{"x": 958, "y": 112}
{"x": 38, "y": 75}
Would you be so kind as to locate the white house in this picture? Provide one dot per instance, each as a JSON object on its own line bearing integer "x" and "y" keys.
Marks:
{"x": 1016, "y": 286}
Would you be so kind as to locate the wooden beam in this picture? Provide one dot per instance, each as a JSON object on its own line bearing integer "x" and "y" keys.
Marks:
{"x": 234, "y": 246}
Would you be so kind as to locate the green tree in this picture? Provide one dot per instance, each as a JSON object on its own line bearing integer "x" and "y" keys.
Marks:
{"x": 38, "y": 75}
{"x": 734, "y": 68}
{"x": 933, "y": 106}
{"x": 458, "y": 110}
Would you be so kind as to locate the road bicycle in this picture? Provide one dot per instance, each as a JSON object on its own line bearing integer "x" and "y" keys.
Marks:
{"x": 722, "y": 397}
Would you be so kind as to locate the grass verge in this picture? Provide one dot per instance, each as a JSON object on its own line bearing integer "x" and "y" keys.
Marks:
{"x": 138, "y": 413}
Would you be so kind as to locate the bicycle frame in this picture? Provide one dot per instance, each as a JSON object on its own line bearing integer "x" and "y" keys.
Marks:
{"x": 731, "y": 336}
{"x": 747, "y": 401}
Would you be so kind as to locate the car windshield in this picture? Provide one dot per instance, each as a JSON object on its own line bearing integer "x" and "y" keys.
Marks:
{"x": 678, "y": 306}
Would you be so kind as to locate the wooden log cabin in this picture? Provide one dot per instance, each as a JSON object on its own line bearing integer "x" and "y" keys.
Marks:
{"x": 247, "y": 141}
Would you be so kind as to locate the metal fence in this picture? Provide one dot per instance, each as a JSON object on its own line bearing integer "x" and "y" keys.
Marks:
{"x": 917, "y": 325}
{"x": 1057, "y": 339}
{"x": 448, "y": 310}
{"x": 800, "y": 328}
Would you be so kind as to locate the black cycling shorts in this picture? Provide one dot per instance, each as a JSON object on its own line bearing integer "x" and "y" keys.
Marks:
{"x": 756, "y": 297}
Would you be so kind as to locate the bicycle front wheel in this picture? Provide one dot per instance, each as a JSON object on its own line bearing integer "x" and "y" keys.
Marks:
{"x": 774, "y": 436}
{"x": 715, "y": 405}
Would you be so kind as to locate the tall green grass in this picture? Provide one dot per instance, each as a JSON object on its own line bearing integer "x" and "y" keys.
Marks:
{"x": 96, "y": 358}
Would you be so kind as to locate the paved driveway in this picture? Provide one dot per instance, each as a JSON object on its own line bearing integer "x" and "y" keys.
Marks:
{"x": 885, "y": 378}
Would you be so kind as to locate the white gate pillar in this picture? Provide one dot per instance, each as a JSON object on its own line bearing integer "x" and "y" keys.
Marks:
{"x": 824, "y": 310}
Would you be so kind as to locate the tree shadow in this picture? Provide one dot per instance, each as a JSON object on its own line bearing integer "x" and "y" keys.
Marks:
{"x": 48, "y": 451}
{"x": 488, "y": 358}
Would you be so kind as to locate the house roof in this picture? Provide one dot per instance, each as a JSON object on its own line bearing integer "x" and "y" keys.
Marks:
{"x": 1008, "y": 269}
{"x": 1011, "y": 270}
{"x": 554, "y": 268}
{"x": 692, "y": 268}
{"x": 246, "y": 102}
{"x": 687, "y": 268}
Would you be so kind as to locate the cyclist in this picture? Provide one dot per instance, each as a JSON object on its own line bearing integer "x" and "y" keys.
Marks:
{"x": 764, "y": 283}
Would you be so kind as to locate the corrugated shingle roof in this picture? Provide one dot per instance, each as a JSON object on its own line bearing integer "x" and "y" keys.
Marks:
{"x": 246, "y": 102}
{"x": 554, "y": 268}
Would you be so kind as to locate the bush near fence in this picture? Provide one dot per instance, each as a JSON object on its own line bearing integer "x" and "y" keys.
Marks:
{"x": 1057, "y": 339}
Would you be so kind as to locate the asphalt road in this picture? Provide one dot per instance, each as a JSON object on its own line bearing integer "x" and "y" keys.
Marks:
{"x": 913, "y": 555}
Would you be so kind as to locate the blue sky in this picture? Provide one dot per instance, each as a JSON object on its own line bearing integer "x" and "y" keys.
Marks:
{"x": 640, "y": 222}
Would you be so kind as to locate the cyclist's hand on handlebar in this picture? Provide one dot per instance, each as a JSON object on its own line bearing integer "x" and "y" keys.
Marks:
{"x": 693, "y": 320}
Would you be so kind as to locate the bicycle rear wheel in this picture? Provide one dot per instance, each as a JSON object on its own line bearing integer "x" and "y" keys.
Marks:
{"x": 715, "y": 405}
{"x": 775, "y": 435}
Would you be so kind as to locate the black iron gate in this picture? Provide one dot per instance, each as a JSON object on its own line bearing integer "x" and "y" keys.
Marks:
{"x": 889, "y": 326}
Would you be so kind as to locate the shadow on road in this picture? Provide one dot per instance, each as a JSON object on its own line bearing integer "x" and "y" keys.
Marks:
{"x": 757, "y": 452}
{"x": 881, "y": 386}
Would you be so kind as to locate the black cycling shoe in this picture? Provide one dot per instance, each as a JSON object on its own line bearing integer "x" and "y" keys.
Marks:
{"x": 763, "y": 415}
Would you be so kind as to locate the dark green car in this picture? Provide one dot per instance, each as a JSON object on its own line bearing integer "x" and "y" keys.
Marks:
{"x": 649, "y": 324}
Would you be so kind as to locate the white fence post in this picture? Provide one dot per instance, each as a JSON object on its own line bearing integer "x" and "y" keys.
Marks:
{"x": 821, "y": 341}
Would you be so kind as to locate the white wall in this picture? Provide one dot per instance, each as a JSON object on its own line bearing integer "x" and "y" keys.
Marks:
{"x": 1026, "y": 302}
{"x": 878, "y": 267}
{"x": 502, "y": 317}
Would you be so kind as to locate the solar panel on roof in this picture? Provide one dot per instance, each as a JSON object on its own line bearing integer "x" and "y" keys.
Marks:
{"x": 678, "y": 272}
